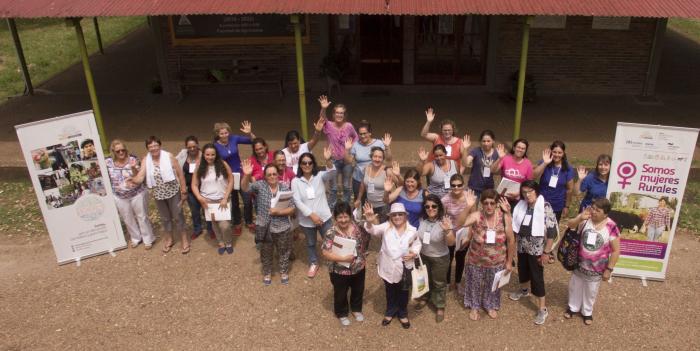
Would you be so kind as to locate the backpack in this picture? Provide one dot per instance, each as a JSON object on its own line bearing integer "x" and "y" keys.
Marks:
{"x": 567, "y": 253}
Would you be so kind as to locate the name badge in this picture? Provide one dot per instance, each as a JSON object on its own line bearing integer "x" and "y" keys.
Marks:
{"x": 370, "y": 187}
{"x": 446, "y": 181}
{"x": 426, "y": 238}
{"x": 310, "y": 194}
{"x": 192, "y": 167}
{"x": 553, "y": 180}
{"x": 448, "y": 150}
{"x": 486, "y": 172}
{"x": 591, "y": 238}
{"x": 527, "y": 220}
{"x": 490, "y": 236}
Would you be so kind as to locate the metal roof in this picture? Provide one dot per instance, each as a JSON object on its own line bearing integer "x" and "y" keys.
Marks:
{"x": 90, "y": 8}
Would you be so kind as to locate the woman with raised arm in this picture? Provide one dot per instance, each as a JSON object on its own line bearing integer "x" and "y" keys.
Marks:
{"x": 597, "y": 257}
{"x": 455, "y": 202}
{"x": 373, "y": 184}
{"x": 337, "y": 131}
{"x": 286, "y": 173}
{"x": 435, "y": 232}
{"x": 400, "y": 246}
{"x": 358, "y": 152}
{"x": 556, "y": 178}
{"x": 454, "y": 146}
{"x": 479, "y": 159}
{"x": 491, "y": 249}
{"x": 514, "y": 166}
{"x": 212, "y": 184}
{"x": 227, "y": 147}
{"x": 294, "y": 145}
{"x": 163, "y": 175}
{"x": 272, "y": 223}
{"x": 594, "y": 184}
{"x": 347, "y": 272}
{"x": 410, "y": 194}
{"x": 309, "y": 189}
{"x": 438, "y": 171}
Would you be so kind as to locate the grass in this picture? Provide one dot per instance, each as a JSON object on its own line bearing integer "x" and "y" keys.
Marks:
{"x": 688, "y": 27}
{"x": 50, "y": 46}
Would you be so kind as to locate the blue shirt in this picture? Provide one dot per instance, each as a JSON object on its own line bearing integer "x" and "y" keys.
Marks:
{"x": 477, "y": 182}
{"x": 229, "y": 152}
{"x": 594, "y": 188}
{"x": 414, "y": 206}
{"x": 555, "y": 196}
{"x": 362, "y": 157}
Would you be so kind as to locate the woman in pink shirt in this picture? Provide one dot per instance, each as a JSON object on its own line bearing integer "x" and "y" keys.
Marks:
{"x": 514, "y": 166}
{"x": 337, "y": 131}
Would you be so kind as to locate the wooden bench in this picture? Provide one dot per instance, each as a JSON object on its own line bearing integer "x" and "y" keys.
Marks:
{"x": 250, "y": 71}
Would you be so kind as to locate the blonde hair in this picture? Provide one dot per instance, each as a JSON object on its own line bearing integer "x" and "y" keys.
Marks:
{"x": 114, "y": 143}
{"x": 219, "y": 126}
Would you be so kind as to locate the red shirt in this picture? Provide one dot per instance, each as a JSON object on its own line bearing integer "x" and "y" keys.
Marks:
{"x": 258, "y": 167}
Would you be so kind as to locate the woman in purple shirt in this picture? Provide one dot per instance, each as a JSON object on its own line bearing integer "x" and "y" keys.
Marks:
{"x": 227, "y": 147}
{"x": 337, "y": 131}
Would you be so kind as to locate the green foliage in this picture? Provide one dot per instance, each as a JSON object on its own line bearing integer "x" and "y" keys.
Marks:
{"x": 19, "y": 211}
{"x": 690, "y": 208}
{"x": 688, "y": 27}
{"x": 50, "y": 46}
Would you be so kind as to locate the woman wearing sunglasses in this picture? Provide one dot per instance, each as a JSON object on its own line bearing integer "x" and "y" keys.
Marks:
{"x": 435, "y": 233}
{"x": 491, "y": 249}
{"x": 272, "y": 224}
{"x": 400, "y": 246}
{"x": 455, "y": 202}
{"x": 309, "y": 191}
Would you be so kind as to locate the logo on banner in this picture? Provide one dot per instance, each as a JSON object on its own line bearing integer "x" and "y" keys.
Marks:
{"x": 626, "y": 170}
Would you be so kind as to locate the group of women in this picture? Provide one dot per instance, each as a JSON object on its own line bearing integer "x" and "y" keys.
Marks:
{"x": 449, "y": 218}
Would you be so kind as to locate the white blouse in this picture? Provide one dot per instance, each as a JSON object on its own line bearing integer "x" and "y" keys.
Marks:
{"x": 394, "y": 247}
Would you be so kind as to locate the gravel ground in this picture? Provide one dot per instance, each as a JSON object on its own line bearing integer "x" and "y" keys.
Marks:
{"x": 153, "y": 301}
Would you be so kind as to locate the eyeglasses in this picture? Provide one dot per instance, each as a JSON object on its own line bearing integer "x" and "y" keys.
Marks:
{"x": 489, "y": 203}
{"x": 306, "y": 163}
{"x": 457, "y": 185}
{"x": 271, "y": 175}
{"x": 119, "y": 151}
{"x": 396, "y": 214}
{"x": 431, "y": 207}
{"x": 527, "y": 191}
{"x": 362, "y": 134}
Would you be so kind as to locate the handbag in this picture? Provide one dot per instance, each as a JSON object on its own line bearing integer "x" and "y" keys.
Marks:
{"x": 569, "y": 246}
{"x": 419, "y": 280}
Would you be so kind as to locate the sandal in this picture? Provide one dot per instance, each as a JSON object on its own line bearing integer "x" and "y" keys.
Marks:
{"x": 422, "y": 303}
{"x": 440, "y": 315}
{"x": 185, "y": 250}
{"x": 167, "y": 247}
{"x": 474, "y": 315}
{"x": 492, "y": 313}
{"x": 587, "y": 320}
{"x": 568, "y": 313}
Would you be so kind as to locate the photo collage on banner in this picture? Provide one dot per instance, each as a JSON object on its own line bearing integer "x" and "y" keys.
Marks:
{"x": 66, "y": 166}
{"x": 648, "y": 176}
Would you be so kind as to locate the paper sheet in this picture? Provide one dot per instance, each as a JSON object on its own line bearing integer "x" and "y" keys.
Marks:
{"x": 500, "y": 279}
{"x": 219, "y": 214}
{"x": 281, "y": 201}
{"x": 460, "y": 235}
{"x": 509, "y": 186}
{"x": 343, "y": 247}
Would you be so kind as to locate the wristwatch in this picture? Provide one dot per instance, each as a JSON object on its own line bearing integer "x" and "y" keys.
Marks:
{"x": 609, "y": 269}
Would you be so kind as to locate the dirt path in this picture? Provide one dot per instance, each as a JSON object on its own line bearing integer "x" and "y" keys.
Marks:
{"x": 147, "y": 300}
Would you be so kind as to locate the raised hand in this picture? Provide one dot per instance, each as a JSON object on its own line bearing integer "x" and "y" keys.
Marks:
{"x": 466, "y": 142}
{"x": 318, "y": 126}
{"x": 446, "y": 224}
{"x": 246, "y": 127}
{"x": 471, "y": 198}
{"x": 327, "y": 153}
{"x": 395, "y": 168}
{"x": 586, "y": 214}
{"x": 386, "y": 139}
{"x": 388, "y": 184}
{"x": 348, "y": 144}
{"x": 547, "y": 156}
{"x": 323, "y": 100}
{"x": 422, "y": 154}
{"x": 247, "y": 167}
{"x": 368, "y": 211}
{"x": 504, "y": 204}
{"x": 430, "y": 114}
{"x": 501, "y": 150}
{"x": 582, "y": 172}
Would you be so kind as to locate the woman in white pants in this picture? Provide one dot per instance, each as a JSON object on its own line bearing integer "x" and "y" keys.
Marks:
{"x": 132, "y": 202}
{"x": 598, "y": 254}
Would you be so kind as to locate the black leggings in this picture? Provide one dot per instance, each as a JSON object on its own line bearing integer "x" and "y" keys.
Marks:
{"x": 459, "y": 265}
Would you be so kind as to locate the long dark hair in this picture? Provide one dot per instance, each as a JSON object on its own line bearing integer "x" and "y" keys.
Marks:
{"x": 314, "y": 171}
{"x": 218, "y": 164}
{"x": 433, "y": 198}
{"x": 564, "y": 161}
{"x": 521, "y": 140}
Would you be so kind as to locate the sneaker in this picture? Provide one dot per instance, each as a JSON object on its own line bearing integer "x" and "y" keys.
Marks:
{"x": 541, "y": 316}
{"x": 345, "y": 321}
{"x": 312, "y": 270}
{"x": 516, "y": 295}
{"x": 237, "y": 230}
{"x": 359, "y": 316}
{"x": 251, "y": 227}
{"x": 195, "y": 234}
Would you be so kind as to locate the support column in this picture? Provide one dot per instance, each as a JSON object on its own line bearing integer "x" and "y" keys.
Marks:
{"x": 28, "y": 87}
{"x": 521, "y": 78}
{"x": 300, "y": 75}
{"x": 99, "y": 36}
{"x": 88, "y": 79}
{"x": 655, "y": 52}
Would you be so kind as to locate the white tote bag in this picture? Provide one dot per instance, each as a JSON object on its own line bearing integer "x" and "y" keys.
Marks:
{"x": 419, "y": 280}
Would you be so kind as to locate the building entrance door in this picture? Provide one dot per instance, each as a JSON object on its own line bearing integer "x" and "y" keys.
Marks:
{"x": 380, "y": 49}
